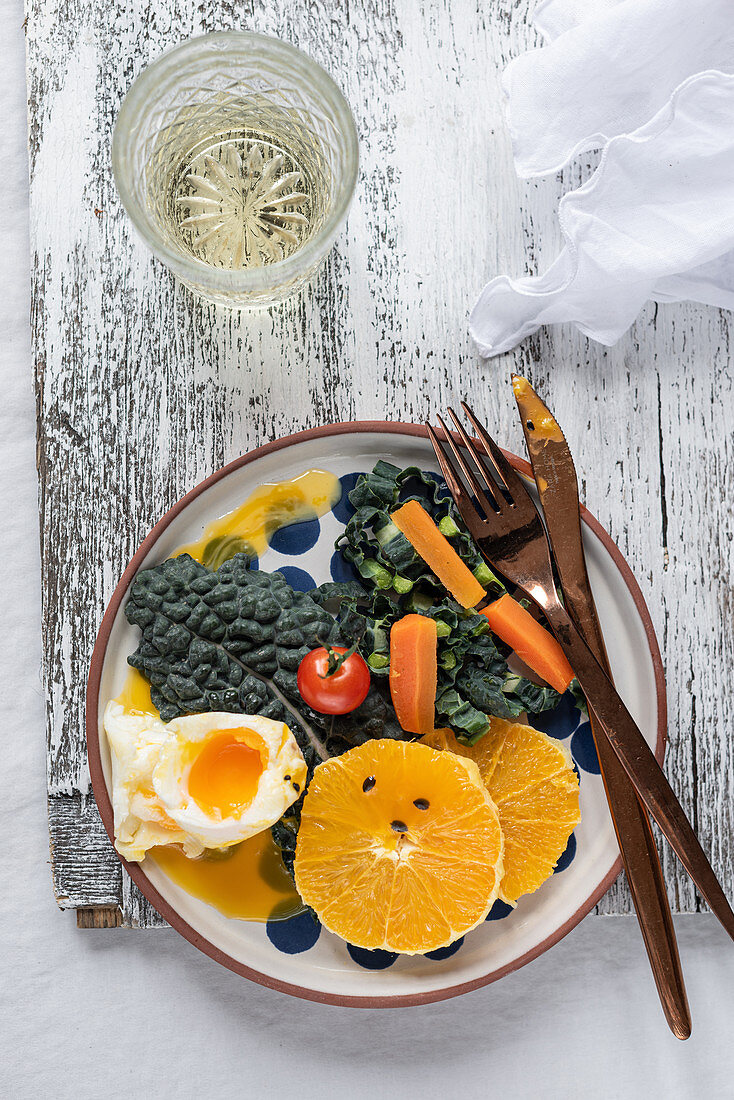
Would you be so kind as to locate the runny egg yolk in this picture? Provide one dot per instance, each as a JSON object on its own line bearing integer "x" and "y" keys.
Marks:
{"x": 225, "y": 774}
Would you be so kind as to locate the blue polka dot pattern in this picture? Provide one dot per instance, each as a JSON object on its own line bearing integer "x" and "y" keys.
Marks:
{"x": 296, "y": 538}
{"x": 341, "y": 569}
{"x": 371, "y": 960}
{"x": 295, "y": 935}
{"x": 499, "y": 910}
{"x": 344, "y": 510}
{"x": 298, "y": 578}
{"x": 566, "y": 859}
{"x": 560, "y": 722}
{"x": 583, "y": 749}
{"x": 445, "y": 952}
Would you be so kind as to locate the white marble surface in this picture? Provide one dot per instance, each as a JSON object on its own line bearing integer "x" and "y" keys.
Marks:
{"x": 120, "y": 1013}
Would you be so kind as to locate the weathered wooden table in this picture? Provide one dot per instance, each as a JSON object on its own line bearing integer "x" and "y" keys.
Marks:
{"x": 142, "y": 391}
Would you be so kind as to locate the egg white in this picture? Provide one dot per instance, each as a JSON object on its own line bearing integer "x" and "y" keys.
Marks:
{"x": 151, "y": 762}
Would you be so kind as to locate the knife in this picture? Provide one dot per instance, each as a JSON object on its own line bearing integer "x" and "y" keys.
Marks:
{"x": 557, "y": 484}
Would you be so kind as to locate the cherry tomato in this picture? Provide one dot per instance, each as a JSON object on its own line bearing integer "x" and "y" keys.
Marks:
{"x": 339, "y": 693}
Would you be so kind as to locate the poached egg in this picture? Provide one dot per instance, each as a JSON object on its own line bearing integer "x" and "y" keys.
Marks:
{"x": 204, "y": 781}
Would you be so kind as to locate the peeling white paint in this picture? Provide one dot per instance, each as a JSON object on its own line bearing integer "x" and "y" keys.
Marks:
{"x": 143, "y": 392}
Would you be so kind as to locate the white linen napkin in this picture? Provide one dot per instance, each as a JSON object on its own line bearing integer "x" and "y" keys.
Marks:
{"x": 652, "y": 81}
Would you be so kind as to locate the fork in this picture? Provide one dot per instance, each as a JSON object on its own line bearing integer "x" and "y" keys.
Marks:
{"x": 505, "y": 522}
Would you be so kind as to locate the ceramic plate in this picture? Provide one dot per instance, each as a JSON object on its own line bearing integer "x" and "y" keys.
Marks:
{"x": 297, "y": 956}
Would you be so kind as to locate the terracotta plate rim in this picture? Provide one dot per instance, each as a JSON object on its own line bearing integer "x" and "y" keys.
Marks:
{"x": 101, "y": 793}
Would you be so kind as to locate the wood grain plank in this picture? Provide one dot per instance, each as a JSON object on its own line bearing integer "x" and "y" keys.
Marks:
{"x": 85, "y": 869}
{"x": 99, "y": 918}
{"x": 142, "y": 390}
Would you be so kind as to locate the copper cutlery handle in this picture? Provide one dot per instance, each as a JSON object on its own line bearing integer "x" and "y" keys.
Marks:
{"x": 638, "y": 761}
{"x": 647, "y": 886}
{"x": 634, "y": 835}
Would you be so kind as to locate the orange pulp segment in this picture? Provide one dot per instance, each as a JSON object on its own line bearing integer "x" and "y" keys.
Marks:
{"x": 531, "y": 780}
{"x": 399, "y": 847}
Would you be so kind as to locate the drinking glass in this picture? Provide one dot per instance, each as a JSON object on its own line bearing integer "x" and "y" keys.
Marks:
{"x": 236, "y": 156}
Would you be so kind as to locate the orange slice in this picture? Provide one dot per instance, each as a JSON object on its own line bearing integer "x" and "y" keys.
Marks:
{"x": 531, "y": 780}
{"x": 399, "y": 847}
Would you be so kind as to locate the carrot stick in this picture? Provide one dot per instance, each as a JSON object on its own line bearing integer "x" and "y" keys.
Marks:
{"x": 507, "y": 618}
{"x": 413, "y": 672}
{"x": 533, "y": 643}
{"x": 438, "y": 553}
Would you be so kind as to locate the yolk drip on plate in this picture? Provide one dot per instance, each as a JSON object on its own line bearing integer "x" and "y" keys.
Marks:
{"x": 224, "y": 776}
{"x": 268, "y": 508}
{"x": 135, "y": 695}
{"x": 248, "y": 882}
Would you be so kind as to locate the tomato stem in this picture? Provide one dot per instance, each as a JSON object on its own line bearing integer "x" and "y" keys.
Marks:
{"x": 336, "y": 660}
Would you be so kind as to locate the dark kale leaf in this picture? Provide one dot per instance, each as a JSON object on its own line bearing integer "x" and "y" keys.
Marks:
{"x": 232, "y": 640}
{"x": 229, "y": 640}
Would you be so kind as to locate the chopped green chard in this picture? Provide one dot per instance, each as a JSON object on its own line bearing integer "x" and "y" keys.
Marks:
{"x": 484, "y": 575}
{"x": 474, "y": 680}
{"x": 375, "y": 546}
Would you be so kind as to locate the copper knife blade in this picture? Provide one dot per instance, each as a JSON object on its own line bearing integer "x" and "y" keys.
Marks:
{"x": 555, "y": 478}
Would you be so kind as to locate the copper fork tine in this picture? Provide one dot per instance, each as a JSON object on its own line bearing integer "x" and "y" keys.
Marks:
{"x": 467, "y": 509}
{"x": 466, "y": 468}
{"x": 508, "y": 476}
